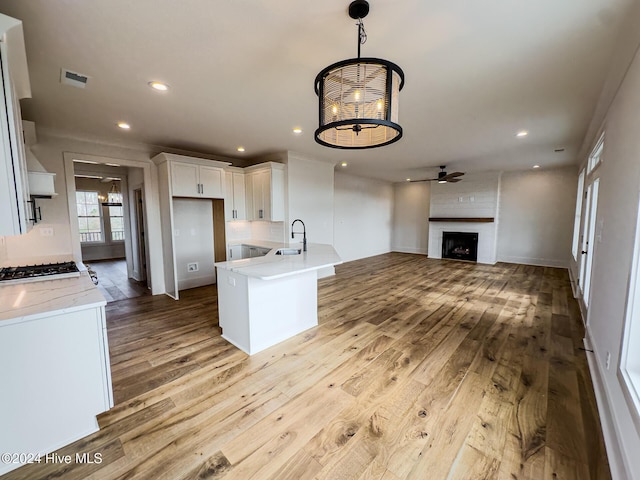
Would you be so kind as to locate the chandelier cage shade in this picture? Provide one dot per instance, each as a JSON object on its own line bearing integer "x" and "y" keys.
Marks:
{"x": 359, "y": 103}
{"x": 358, "y": 98}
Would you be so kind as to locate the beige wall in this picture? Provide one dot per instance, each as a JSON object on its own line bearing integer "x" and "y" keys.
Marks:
{"x": 535, "y": 221}
{"x": 411, "y": 217}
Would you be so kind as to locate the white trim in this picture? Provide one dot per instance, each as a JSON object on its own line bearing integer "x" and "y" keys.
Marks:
{"x": 628, "y": 373}
{"x": 540, "y": 262}
{"x": 152, "y": 207}
{"x": 608, "y": 421}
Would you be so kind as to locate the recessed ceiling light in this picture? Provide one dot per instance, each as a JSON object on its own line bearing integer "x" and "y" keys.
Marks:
{"x": 297, "y": 130}
{"x": 536, "y": 166}
{"x": 161, "y": 87}
{"x": 124, "y": 125}
{"x": 344, "y": 164}
{"x": 408, "y": 179}
{"x": 558, "y": 150}
{"x": 522, "y": 133}
{"x": 112, "y": 164}
{"x": 240, "y": 149}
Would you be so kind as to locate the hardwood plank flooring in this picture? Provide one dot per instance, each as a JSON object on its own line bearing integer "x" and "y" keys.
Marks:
{"x": 113, "y": 282}
{"x": 419, "y": 369}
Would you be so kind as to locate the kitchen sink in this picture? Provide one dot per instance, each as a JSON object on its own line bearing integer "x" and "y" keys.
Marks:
{"x": 288, "y": 251}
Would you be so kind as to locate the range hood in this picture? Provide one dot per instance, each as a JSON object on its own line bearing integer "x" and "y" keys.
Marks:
{"x": 41, "y": 182}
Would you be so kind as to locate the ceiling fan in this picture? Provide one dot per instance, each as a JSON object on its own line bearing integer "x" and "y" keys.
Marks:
{"x": 443, "y": 176}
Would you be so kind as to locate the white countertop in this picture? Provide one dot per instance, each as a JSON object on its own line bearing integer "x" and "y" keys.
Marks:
{"x": 28, "y": 301}
{"x": 273, "y": 266}
{"x": 264, "y": 244}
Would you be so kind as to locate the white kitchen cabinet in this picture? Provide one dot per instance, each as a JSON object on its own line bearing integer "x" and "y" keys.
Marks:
{"x": 234, "y": 200}
{"x": 15, "y": 209}
{"x": 177, "y": 176}
{"x": 235, "y": 252}
{"x": 194, "y": 180}
{"x": 265, "y": 192}
{"x": 55, "y": 372}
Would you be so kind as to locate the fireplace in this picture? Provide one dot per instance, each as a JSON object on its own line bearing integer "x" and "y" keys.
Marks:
{"x": 460, "y": 246}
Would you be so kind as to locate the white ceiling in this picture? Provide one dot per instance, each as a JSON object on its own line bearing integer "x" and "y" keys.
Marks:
{"x": 242, "y": 73}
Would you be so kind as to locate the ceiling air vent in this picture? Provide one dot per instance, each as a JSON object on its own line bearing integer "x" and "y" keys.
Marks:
{"x": 67, "y": 77}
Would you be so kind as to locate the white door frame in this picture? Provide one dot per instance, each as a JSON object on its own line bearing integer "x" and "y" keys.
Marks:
{"x": 150, "y": 173}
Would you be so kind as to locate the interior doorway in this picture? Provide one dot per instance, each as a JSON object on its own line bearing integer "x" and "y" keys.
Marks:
{"x": 588, "y": 241}
{"x": 108, "y": 203}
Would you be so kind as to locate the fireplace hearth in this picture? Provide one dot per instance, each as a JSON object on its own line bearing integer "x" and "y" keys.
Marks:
{"x": 460, "y": 246}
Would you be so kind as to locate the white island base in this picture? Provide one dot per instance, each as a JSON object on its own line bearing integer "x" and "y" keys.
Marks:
{"x": 256, "y": 314}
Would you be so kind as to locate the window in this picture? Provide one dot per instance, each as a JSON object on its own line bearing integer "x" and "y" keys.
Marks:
{"x": 576, "y": 221}
{"x": 89, "y": 217}
{"x": 596, "y": 156}
{"x": 116, "y": 216}
{"x": 630, "y": 358}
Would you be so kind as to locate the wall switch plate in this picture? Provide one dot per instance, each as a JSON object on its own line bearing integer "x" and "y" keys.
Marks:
{"x": 46, "y": 231}
{"x": 192, "y": 267}
{"x": 232, "y": 281}
{"x": 608, "y": 361}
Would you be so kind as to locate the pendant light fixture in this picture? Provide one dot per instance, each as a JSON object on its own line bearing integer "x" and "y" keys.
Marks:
{"x": 359, "y": 97}
{"x": 114, "y": 197}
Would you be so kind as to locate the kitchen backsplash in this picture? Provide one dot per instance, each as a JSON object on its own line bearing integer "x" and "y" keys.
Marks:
{"x": 266, "y": 231}
{"x": 45, "y": 243}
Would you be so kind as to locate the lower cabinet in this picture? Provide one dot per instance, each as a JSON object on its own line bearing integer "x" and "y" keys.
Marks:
{"x": 235, "y": 252}
{"x": 55, "y": 377}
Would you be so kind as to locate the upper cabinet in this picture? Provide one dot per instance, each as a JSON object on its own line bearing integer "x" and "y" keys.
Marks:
{"x": 15, "y": 211}
{"x": 265, "y": 192}
{"x": 234, "y": 200}
{"x": 194, "y": 180}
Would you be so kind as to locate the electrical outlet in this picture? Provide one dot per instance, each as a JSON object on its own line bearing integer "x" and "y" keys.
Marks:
{"x": 608, "y": 361}
{"x": 46, "y": 231}
{"x": 192, "y": 267}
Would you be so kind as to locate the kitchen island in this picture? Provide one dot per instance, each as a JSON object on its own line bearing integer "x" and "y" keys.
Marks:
{"x": 54, "y": 365}
{"x": 265, "y": 300}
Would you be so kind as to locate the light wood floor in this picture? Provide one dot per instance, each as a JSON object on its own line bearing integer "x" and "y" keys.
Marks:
{"x": 420, "y": 369}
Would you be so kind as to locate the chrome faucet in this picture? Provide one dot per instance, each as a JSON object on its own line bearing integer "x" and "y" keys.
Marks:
{"x": 303, "y": 232}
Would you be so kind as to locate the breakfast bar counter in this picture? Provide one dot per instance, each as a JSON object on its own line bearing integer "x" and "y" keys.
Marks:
{"x": 266, "y": 300}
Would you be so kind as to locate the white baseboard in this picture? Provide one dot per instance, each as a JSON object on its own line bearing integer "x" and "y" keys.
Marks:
{"x": 607, "y": 415}
{"x": 539, "y": 262}
{"x": 419, "y": 251}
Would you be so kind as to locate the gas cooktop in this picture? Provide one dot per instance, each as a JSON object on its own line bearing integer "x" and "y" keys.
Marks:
{"x": 32, "y": 273}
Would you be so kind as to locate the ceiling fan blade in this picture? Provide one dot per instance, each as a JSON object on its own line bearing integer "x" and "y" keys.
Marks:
{"x": 452, "y": 175}
{"x": 454, "y": 180}
{"x": 424, "y": 180}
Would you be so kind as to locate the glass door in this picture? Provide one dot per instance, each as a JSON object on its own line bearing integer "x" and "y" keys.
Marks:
{"x": 588, "y": 239}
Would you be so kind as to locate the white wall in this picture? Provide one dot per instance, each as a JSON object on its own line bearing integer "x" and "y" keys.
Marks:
{"x": 410, "y": 232}
{"x": 363, "y": 216}
{"x": 535, "y": 222}
{"x": 193, "y": 241}
{"x": 310, "y": 198}
{"x": 475, "y": 196}
{"x": 612, "y": 257}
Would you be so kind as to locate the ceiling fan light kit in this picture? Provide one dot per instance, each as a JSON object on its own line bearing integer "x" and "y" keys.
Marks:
{"x": 359, "y": 97}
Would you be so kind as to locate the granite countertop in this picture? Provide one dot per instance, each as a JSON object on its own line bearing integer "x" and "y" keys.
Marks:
{"x": 273, "y": 266}
{"x": 21, "y": 302}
